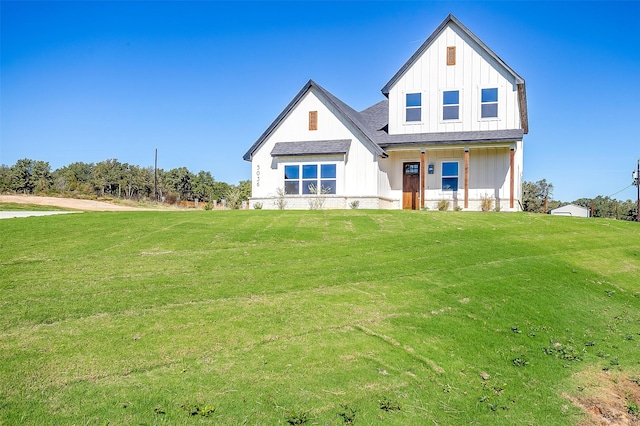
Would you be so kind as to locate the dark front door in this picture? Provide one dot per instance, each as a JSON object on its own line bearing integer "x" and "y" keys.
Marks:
{"x": 410, "y": 186}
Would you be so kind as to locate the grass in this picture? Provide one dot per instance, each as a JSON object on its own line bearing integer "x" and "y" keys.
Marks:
{"x": 315, "y": 317}
{"x": 29, "y": 207}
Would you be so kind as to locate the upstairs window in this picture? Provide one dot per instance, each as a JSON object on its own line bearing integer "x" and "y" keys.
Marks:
{"x": 414, "y": 107}
{"x": 313, "y": 120}
{"x": 449, "y": 175}
{"x": 489, "y": 106}
{"x": 451, "y": 105}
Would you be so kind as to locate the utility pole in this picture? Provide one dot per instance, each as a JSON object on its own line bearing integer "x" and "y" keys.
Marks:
{"x": 155, "y": 178}
{"x": 637, "y": 184}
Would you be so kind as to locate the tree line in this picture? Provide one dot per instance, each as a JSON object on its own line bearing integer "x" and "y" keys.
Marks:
{"x": 537, "y": 197}
{"x": 111, "y": 178}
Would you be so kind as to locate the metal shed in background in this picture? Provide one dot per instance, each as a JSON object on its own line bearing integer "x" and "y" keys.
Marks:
{"x": 571, "y": 210}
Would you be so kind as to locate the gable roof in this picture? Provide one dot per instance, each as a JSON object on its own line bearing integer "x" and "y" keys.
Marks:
{"x": 372, "y": 123}
{"x": 522, "y": 96}
{"x": 344, "y": 111}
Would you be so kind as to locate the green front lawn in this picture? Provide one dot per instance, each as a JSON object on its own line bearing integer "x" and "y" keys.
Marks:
{"x": 269, "y": 317}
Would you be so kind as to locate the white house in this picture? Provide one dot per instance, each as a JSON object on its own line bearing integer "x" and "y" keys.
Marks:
{"x": 450, "y": 128}
{"x": 571, "y": 210}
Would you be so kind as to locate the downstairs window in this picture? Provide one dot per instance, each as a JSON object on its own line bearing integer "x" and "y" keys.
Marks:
{"x": 315, "y": 178}
{"x": 449, "y": 175}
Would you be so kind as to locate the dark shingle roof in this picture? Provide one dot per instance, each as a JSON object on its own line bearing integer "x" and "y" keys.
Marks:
{"x": 450, "y": 138}
{"x": 376, "y": 117}
{"x": 311, "y": 147}
{"x": 372, "y": 122}
{"x": 345, "y": 111}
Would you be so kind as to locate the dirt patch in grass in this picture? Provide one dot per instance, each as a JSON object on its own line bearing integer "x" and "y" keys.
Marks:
{"x": 68, "y": 203}
{"x": 607, "y": 398}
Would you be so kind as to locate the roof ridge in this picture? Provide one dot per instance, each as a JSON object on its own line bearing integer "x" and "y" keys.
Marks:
{"x": 427, "y": 43}
{"x": 345, "y": 110}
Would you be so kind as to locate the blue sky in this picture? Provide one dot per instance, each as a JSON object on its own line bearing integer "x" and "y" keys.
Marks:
{"x": 200, "y": 81}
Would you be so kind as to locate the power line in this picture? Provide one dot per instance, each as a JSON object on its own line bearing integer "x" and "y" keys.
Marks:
{"x": 616, "y": 193}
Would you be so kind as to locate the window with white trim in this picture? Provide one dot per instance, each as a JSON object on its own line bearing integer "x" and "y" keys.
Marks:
{"x": 449, "y": 175}
{"x": 451, "y": 105}
{"x": 414, "y": 107}
{"x": 292, "y": 179}
{"x": 489, "y": 103}
{"x": 309, "y": 179}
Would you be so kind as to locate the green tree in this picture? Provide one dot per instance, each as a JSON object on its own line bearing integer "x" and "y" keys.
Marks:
{"x": 112, "y": 178}
{"x": 29, "y": 176}
{"x": 233, "y": 197}
{"x": 179, "y": 180}
{"x": 21, "y": 176}
{"x": 41, "y": 177}
{"x": 610, "y": 207}
{"x": 107, "y": 177}
{"x": 5, "y": 178}
{"x": 143, "y": 181}
{"x": 76, "y": 177}
{"x": 628, "y": 210}
{"x": 203, "y": 186}
{"x": 136, "y": 181}
{"x": 219, "y": 190}
{"x": 534, "y": 195}
{"x": 245, "y": 189}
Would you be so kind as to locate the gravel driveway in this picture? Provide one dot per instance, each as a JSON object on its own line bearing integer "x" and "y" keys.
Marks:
{"x": 67, "y": 203}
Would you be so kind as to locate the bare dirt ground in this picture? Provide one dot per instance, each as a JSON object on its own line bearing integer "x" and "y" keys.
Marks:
{"x": 67, "y": 203}
{"x": 608, "y": 398}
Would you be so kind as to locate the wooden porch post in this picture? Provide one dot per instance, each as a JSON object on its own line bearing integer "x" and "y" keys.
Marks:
{"x": 422, "y": 177}
{"x": 466, "y": 178}
{"x": 512, "y": 153}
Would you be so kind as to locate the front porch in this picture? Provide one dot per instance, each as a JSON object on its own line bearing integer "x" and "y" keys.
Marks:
{"x": 465, "y": 177}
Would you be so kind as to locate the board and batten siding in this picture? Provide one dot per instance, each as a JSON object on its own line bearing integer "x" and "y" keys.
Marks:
{"x": 385, "y": 168}
{"x": 488, "y": 172}
{"x": 356, "y": 173}
{"x": 430, "y": 75}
